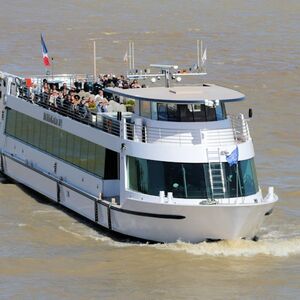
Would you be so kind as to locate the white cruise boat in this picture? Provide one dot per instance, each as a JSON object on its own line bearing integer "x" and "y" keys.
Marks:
{"x": 177, "y": 168}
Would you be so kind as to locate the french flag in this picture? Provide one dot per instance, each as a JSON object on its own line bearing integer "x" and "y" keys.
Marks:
{"x": 45, "y": 53}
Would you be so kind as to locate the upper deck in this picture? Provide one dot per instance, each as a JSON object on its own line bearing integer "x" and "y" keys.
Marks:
{"x": 142, "y": 128}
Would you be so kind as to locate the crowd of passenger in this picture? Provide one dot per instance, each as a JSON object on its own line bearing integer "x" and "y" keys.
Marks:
{"x": 82, "y": 97}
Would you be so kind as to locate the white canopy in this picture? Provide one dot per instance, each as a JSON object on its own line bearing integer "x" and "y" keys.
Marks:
{"x": 180, "y": 94}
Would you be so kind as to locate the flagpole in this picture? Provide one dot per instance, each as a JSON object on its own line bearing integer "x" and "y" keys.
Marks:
{"x": 95, "y": 65}
{"x": 237, "y": 180}
{"x": 52, "y": 66}
{"x": 132, "y": 55}
{"x": 198, "y": 54}
{"x": 129, "y": 60}
{"x": 201, "y": 49}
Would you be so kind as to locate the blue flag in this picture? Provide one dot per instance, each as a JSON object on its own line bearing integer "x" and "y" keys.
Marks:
{"x": 233, "y": 157}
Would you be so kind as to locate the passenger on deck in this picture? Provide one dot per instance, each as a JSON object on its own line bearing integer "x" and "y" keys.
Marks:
{"x": 75, "y": 100}
{"x": 102, "y": 106}
{"x": 45, "y": 88}
{"x": 99, "y": 97}
{"x": 64, "y": 89}
{"x": 135, "y": 84}
{"x": 67, "y": 104}
{"x": 82, "y": 109}
{"x": 90, "y": 102}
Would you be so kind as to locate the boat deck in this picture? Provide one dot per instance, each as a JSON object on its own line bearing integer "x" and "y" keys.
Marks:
{"x": 235, "y": 132}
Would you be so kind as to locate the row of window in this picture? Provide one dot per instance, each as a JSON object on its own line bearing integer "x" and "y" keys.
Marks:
{"x": 66, "y": 146}
{"x": 189, "y": 180}
{"x": 182, "y": 112}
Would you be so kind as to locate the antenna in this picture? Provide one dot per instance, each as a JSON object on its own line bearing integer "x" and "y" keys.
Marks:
{"x": 198, "y": 54}
{"x": 168, "y": 72}
{"x": 95, "y": 64}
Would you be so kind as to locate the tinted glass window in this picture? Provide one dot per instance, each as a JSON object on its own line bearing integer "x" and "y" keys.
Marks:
{"x": 199, "y": 112}
{"x": 73, "y": 149}
{"x": 100, "y": 160}
{"x": 10, "y": 122}
{"x": 189, "y": 112}
{"x": 19, "y": 121}
{"x": 56, "y": 141}
{"x": 145, "y": 109}
{"x": 91, "y": 157}
{"x": 183, "y": 179}
{"x": 49, "y": 145}
{"x": 43, "y": 136}
{"x": 172, "y": 112}
{"x": 210, "y": 113}
{"x": 187, "y": 180}
{"x": 30, "y": 133}
{"x": 162, "y": 112}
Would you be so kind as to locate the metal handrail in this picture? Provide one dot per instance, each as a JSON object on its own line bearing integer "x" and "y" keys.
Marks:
{"x": 214, "y": 137}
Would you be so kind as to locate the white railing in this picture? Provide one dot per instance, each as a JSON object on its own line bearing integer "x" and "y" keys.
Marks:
{"x": 238, "y": 132}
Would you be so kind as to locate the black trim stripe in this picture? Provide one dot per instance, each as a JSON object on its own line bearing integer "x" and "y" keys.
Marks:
{"x": 150, "y": 215}
{"x": 93, "y": 198}
{"x": 109, "y": 216}
{"x": 58, "y": 192}
{"x": 96, "y": 211}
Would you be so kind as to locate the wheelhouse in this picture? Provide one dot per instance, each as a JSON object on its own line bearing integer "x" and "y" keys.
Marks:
{"x": 180, "y": 104}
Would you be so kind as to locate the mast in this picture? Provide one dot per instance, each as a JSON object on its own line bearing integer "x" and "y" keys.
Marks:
{"x": 95, "y": 64}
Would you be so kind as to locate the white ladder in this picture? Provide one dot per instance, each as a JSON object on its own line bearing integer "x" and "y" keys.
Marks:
{"x": 216, "y": 174}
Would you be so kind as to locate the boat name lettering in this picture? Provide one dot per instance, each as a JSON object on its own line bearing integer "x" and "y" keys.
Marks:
{"x": 52, "y": 119}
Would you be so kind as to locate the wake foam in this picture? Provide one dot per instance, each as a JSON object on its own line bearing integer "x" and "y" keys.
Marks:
{"x": 271, "y": 244}
{"x": 276, "y": 247}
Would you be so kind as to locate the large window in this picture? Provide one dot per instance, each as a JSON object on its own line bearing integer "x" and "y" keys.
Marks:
{"x": 55, "y": 141}
{"x": 190, "y": 112}
{"x": 189, "y": 180}
{"x": 145, "y": 109}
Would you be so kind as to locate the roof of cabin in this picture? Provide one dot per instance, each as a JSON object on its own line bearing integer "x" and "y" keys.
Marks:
{"x": 180, "y": 94}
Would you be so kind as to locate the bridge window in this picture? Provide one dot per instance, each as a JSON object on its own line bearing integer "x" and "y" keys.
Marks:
{"x": 190, "y": 112}
{"x": 145, "y": 109}
{"x": 189, "y": 180}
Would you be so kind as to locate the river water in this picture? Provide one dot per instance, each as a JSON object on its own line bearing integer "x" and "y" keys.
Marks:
{"x": 253, "y": 46}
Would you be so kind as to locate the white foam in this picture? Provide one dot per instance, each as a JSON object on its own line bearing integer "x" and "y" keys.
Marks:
{"x": 273, "y": 247}
{"x": 272, "y": 244}
{"x": 44, "y": 211}
{"x": 77, "y": 235}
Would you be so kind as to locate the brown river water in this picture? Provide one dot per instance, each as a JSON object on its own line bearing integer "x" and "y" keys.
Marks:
{"x": 254, "y": 47}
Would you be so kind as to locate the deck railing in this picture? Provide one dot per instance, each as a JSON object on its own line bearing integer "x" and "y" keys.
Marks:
{"x": 81, "y": 114}
{"x": 237, "y": 133}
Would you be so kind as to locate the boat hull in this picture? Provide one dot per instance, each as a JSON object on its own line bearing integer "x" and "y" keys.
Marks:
{"x": 148, "y": 221}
